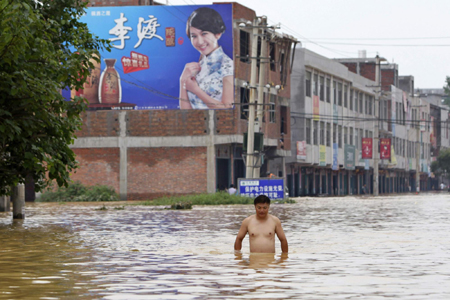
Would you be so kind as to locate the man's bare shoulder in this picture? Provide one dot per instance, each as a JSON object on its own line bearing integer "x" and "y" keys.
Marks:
{"x": 275, "y": 219}
{"x": 248, "y": 219}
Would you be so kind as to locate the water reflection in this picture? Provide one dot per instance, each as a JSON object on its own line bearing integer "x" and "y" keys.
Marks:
{"x": 371, "y": 248}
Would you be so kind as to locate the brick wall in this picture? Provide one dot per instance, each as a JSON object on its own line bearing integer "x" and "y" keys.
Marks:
{"x": 352, "y": 67}
{"x": 167, "y": 123}
{"x": 388, "y": 78}
{"x": 367, "y": 70}
{"x": 98, "y": 166}
{"x": 99, "y": 123}
{"x": 153, "y": 172}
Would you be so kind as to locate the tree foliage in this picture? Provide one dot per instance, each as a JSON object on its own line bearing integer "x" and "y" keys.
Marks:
{"x": 442, "y": 165}
{"x": 447, "y": 91}
{"x": 43, "y": 49}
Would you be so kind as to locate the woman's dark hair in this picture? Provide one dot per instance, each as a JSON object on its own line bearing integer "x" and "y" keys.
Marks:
{"x": 205, "y": 19}
{"x": 261, "y": 199}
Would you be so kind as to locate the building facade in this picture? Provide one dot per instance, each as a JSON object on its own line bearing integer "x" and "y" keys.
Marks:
{"x": 150, "y": 153}
{"x": 333, "y": 110}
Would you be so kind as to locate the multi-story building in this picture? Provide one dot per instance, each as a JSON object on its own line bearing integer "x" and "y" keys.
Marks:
{"x": 333, "y": 109}
{"x": 438, "y": 122}
{"x": 144, "y": 154}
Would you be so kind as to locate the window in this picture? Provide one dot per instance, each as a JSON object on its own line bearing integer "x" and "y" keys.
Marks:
{"x": 351, "y": 136}
{"x": 345, "y": 95}
{"x": 334, "y": 93}
{"x": 308, "y": 84}
{"x": 272, "y": 118}
{"x": 356, "y": 101}
{"x": 340, "y": 136}
{"x": 322, "y": 133}
{"x": 371, "y": 102}
{"x": 244, "y": 42}
{"x": 357, "y": 143}
{"x": 316, "y": 85}
{"x": 328, "y": 95}
{"x": 350, "y": 106}
{"x": 334, "y": 133}
{"x": 245, "y": 96}
{"x": 345, "y": 135}
{"x": 308, "y": 131}
{"x": 361, "y": 102}
{"x": 272, "y": 56}
{"x": 315, "y": 132}
{"x": 328, "y": 137}
{"x": 322, "y": 88}
{"x": 340, "y": 94}
{"x": 367, "y": 105}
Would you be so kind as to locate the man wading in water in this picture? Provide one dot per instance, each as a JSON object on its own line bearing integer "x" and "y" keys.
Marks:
{"x": 261, "y": 228}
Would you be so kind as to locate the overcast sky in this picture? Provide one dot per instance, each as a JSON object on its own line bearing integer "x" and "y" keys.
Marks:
{"x": 380, "y": 26}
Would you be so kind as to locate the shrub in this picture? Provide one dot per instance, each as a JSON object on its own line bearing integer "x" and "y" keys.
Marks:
{"x": 77, "y": 192}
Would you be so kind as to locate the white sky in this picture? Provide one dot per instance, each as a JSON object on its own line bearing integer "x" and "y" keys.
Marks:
{"x": 382, "y": 22}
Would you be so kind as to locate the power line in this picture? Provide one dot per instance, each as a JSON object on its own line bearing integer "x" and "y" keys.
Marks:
{"x": 383, "y": 45}
{"x": 368, "y": 39}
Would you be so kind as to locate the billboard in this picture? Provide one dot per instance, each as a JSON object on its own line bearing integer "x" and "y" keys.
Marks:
{"x": 301, "y": 150}
{"x": 385, "y": 148}
{"x": 271, "y": 187}
{"x": 366, "y": 148}
{"x": 162, "y": 57}
{"x": 335, "y": 165}
{"x": 322, "y": 155}
{"x": 349, "y": 155}
{"x": 316, "y": 108}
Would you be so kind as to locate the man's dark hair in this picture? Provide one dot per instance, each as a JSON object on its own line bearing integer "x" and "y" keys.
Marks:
{"x": 261, "y": 199}
{"x": 231, "y": 185}
{"x": 205, "y": 19}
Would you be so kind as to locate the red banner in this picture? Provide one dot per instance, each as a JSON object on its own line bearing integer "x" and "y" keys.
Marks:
{"x": 366, "y": 148}
{"x": 385, "y": 148}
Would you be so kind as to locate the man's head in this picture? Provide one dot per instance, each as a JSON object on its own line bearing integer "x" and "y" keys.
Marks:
{"x": 262, "y": 204}
{"x": 231, "y": 186}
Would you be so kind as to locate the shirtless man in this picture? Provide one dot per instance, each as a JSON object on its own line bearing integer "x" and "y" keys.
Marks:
{"x": 261, "y": 228}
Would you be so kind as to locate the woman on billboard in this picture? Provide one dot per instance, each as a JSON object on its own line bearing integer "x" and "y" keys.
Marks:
{"x": 207, "y": 84}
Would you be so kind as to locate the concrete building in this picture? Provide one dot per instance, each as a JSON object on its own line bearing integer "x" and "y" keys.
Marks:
{"x": 150, "y": 153}
{"x": 333, "y": 102}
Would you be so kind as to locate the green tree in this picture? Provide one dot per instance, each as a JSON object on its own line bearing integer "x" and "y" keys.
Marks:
{"x": 43, "y": 49}
{"x": 447, "y": 91}
{"x": 442, "y": 164}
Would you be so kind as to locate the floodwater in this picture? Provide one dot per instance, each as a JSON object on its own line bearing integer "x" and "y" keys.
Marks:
{"x": 339, "y": 248}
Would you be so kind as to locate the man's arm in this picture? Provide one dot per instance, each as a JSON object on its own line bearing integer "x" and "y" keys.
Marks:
{"x": 241, "y": 235}
{"x": 281, "y": 236}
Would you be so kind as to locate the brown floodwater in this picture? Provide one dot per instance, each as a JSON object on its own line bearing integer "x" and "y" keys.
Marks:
{"x": 339, "y": 248}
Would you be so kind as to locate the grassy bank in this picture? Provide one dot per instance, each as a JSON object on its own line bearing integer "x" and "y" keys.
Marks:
{"x": 220, "y": 198}
{"x": 77, "y": 192}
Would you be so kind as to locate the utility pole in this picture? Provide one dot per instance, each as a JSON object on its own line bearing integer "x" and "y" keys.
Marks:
{"x": 18, "y": 200}
{"x": 262, "y": 73}
{"x": 251, "y": 106}
{"x": 376, "y": 138}
{"x": 418, "y": 159}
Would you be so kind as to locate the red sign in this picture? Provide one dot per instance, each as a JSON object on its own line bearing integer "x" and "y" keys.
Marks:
{"x": 385, "y": 148}
{"x": 366, "y": 148}
{"x": 137, "y": 62}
